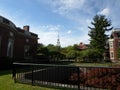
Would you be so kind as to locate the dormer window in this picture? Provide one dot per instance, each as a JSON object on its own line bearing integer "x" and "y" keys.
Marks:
{"x": 27, "y": 40}
{"x": 11, "y": 34}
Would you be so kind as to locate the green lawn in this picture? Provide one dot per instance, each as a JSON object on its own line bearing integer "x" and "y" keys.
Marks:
{"x": 7, "y": 83}
{"x": 93, "y": 64}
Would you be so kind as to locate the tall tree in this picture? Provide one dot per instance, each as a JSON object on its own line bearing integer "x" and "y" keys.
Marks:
{"x": 97, "y": 33}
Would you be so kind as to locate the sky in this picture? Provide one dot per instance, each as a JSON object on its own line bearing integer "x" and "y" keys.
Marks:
{"x": 70, "y": 18}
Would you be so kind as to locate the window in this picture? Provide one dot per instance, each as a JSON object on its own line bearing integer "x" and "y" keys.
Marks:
{"x": 119, "y": 44}
{"x": 118, "y": 34}
{"x": 11, "y": 34}
{"x": 27, "y": 40}
{"x": 26, "y": 51}
{"x": 111, "y": 44}
{"x": 112, "y": 55}
{"x": 10, "y": 48}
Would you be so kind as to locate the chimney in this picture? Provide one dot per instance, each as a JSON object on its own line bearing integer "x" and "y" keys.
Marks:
{"x": 26, "y": 28}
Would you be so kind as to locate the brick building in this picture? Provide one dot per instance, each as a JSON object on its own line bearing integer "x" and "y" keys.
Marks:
{"x": 114, "y": 44}
{"x": 82, "y": 46}
{"x": 16, "y": 42}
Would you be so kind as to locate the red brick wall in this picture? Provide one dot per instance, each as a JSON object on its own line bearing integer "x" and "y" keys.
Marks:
{"x": 19, "y": 43}
{"x": 4, "y": 33}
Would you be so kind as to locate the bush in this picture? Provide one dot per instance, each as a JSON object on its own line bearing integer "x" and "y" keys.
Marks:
{"x": 92, "y": 55}
{"x": 99, "y": 78}
{"x": 41, "y": 58}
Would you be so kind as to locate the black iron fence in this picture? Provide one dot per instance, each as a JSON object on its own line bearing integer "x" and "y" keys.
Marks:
{"x": 76, "y": 77}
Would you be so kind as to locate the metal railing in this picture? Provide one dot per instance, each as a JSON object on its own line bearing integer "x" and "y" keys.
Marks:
{"x": 76, "y": 77}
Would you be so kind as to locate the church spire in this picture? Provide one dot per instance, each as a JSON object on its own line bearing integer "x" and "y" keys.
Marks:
{"x": 58, "y": 41}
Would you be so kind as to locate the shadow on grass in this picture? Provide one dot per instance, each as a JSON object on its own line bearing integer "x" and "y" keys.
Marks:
{"x": 5, "y": 72}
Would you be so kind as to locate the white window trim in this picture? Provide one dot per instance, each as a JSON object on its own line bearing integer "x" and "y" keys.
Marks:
{"x": 26, "y": 50}
{"x": 111, "y": 44}
{"x": 10, "y": 46}
{"x": 112, "y": 56}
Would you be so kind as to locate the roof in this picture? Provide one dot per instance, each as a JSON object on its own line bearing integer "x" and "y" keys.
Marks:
{"x": 82, "y": 46}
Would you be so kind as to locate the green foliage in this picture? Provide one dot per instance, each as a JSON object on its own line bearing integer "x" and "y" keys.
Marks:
{"x": 51, "y": 51}
{"x": 97, "y": 32}
{"x": 42, "y": 52}
{"x": 52, "y": 48}
{"x": 118, "y": 53}
{"x": 72, "y": 54}
{"x": 91, "y": 54}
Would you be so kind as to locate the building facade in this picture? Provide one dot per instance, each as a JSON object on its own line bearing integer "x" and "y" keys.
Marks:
{"x": 114, "y": 44}
{"x": 16, "y": 42}
{"x": 82, "y": 46}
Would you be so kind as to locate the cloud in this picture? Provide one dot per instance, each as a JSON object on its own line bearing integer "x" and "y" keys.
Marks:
{"x": 47, "y": 33}
{"x": 105, "y": 11}
{"x": 69, "y": 31}
{"x": 14, "y": 17}
{"x": 71, "y": 40}
{"x": 71, "y": 4}
{"x": 66, "y": 6}
{"x": 50, "y": 27}
{"x": 88, "y": 21}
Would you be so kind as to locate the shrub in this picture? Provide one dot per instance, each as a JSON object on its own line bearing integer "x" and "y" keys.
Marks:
{"x": 99, "y": 78}
{"x": 92, "y": 55}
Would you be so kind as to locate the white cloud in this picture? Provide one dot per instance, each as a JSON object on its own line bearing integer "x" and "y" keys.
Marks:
{"x": 68, "y": 40}
{"x": 71, "y": 4}
{"x": 50, "y": 27}
{"x": 88, "y": 21}
{"x": 47, "y": 33}
{"x": 105, "y": 11}
{"x": 69, "y": 31}
{"x": 65, "y": 6}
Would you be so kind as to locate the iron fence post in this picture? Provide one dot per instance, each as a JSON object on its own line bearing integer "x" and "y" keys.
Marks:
{"x": 14, "y": 73}
{"x": 32, "y": 75}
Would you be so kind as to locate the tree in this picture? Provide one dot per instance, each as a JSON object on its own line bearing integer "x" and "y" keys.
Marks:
{"x": 118, "y": 53}
{"x": 52, "y": 47}
{"x": 72, "y": 54}
{"x": 97, "y": 33}
{"x": 91, "y": 55}
{"x": 42, "y": 51}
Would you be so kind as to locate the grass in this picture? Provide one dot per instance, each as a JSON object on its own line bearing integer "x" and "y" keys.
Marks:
{"x": 7, "y": 83}
{"x": 93, "y": 64}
